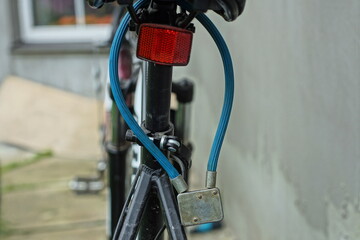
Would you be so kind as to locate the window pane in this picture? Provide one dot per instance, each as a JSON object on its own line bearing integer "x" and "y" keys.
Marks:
{"x": 54, "y": 12}
{"x": 99, "y": 16}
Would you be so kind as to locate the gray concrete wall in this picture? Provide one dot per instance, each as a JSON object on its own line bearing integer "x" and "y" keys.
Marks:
{"x": 290, "y": 167}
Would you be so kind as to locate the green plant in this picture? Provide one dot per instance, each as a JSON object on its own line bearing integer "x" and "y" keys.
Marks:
{"x": 35, "y": 158}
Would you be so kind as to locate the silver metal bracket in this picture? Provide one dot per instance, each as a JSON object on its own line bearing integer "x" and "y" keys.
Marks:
{"x": 200, "y": 206}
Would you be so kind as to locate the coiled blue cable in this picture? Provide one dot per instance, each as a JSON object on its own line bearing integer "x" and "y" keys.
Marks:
{"x": 229, "y": 86}
{"x": 228, "y": 99}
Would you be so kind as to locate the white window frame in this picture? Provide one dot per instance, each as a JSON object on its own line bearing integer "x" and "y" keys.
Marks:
{"x": 60, "y": 34}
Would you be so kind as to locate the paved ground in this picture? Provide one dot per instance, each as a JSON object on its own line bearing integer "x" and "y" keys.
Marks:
{"x": 41, "y": 149}
{"x": 37, "y": 203}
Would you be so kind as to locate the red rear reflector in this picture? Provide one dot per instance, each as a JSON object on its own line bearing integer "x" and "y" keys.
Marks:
{"x": 164, "y": 44}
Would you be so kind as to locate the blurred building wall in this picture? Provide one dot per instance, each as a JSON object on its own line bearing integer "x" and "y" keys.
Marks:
{"x": 71, "y": 70}
{"x": 5, "y": 36}
{"x": 290, "y": 165}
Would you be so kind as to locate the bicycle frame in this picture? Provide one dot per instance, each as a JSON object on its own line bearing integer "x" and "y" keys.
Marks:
{"x": 165, "y": 38}
{"x": 164, "y": 12}
{"x": 158, "y": 88}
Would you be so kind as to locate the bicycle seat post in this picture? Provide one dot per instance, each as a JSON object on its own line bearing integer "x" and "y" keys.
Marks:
{"x": 157, "y": 120}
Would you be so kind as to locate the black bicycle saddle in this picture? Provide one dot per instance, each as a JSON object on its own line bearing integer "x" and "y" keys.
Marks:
{"x": 230, "y": 9}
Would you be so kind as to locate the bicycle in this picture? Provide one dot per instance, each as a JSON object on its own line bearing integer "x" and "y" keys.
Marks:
{"x": 152, "y": 190}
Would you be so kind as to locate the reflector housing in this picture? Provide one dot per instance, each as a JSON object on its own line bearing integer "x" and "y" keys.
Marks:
{"x": 164, "y": 44}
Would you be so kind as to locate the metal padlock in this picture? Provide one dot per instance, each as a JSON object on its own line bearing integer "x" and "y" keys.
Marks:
{"x": 200, "y": 206}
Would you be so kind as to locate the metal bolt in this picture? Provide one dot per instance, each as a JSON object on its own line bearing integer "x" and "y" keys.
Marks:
{"x": 214, "y": 192}
{"x": 171, "y": 149}
{"x": 195, "y": 219}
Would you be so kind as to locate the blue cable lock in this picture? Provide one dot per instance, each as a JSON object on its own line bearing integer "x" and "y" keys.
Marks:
{"x": 174, "y": 175}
